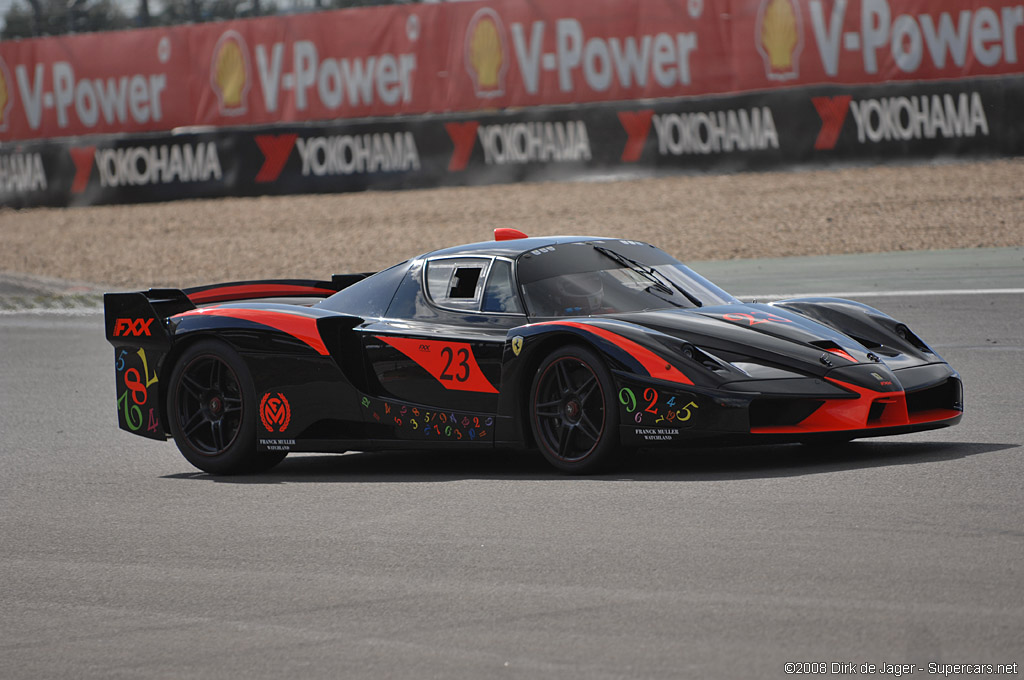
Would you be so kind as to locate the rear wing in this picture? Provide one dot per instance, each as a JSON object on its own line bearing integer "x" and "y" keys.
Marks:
{"x": 138, "y": 318}
{"x": 134, "y": 324}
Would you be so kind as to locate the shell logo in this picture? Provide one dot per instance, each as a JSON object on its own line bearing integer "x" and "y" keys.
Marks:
{"x": 779, "y": 37}
{"x": 487, "y": 53}
{"x": 5, "y": 95}
{"x": 230, "y": 74}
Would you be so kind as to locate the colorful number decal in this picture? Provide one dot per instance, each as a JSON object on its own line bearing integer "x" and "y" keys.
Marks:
{"x": 426, "y": 424}
{"x": 145, "y": 368}
{"x": 664, "y": 410}
{"x": 135, "y": 386}
{"x": 132, "y": 412}
{"x": 136, "y": 383}
{"x": 627, "y": 399}
{"x": 651, "y": 395}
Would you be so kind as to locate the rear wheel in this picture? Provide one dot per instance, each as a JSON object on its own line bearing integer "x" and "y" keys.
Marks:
{"x": 212, "y": 411}
{"x": 574, "y": 419}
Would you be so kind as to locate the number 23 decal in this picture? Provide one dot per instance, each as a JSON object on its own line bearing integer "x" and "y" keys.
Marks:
{"x": 462, "y": 365}
{"x": 452, "y": 364}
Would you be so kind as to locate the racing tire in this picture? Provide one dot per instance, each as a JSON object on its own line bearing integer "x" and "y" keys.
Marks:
{"x": 212, "y": 411}
{"x": 573, "y": 412}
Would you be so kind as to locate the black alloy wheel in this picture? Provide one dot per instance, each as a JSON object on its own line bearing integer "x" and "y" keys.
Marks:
{"x": 208, "y": 405}
{"x": 212, "y": 409}
{"x": 574, "y": 420}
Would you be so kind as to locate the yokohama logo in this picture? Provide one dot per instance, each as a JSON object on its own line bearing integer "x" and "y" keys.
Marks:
{"x": 699, "y": 132}
{"x": 139, "y": 165}
{"x": 519, "y": 143}
{"x": 901, "y": 118}
{"x": 275, "y": 412}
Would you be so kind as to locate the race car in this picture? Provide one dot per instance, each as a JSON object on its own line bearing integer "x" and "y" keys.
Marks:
{"x": 584, "y": 348}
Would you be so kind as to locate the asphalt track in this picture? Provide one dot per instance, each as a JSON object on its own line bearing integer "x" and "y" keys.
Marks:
{"x": 121, "y": 561}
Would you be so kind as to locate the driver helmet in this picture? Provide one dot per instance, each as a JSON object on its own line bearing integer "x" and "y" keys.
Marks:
{"x": 581, "y": 293}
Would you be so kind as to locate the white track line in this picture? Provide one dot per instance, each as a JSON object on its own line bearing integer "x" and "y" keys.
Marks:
{"x": 889, "y": 293}
{"x": 53, "y": 311}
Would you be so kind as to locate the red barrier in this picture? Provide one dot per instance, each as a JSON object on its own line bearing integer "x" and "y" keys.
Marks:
{"x": 411, "y": 59}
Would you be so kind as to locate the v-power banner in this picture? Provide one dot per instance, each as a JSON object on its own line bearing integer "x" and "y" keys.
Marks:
{"x": 418, "y": 95}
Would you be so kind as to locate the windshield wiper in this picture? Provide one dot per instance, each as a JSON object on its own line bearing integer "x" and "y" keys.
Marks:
{"x": 658, "y": 280}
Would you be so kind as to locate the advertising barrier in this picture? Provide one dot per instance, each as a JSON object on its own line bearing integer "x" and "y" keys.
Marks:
{"x": 455, "y": 93}
{"x": 770, "y": 129}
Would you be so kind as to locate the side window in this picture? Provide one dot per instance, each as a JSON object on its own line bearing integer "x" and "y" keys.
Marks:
{"x": 464, "y": 282}
{"x": 500, "y": 293}
{"x": 458, "y": 282}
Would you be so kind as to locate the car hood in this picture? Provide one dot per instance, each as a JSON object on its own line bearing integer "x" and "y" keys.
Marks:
{"x": 767, "y": 334}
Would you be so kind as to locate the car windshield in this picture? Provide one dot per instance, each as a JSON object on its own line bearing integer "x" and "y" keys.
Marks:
{"x": 610, "y": 277}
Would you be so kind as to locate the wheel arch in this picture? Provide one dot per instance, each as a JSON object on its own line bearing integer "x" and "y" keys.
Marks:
{"x": 181, "y": 345}
{"x": 581, "y": 435}
{"x": 537, "y": 351}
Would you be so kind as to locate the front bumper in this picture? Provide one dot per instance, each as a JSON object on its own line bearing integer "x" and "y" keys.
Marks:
{"x": 866, "y": 400}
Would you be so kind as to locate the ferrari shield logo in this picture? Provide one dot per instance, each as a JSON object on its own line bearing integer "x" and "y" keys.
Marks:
{"x": 517, "y": 345}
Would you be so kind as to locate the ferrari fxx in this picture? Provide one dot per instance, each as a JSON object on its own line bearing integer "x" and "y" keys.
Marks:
{"x": 582, "y": 348}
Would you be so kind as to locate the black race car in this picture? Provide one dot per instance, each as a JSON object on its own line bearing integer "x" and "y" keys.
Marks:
{"x": 580, "y": 347}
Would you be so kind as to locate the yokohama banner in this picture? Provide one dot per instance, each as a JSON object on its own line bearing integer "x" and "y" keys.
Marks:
{"x": 473, "y": 56}
{"x": 775, "y": 128}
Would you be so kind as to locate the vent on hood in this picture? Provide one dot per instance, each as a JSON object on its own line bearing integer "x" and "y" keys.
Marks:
{"x": 708, "y": 361}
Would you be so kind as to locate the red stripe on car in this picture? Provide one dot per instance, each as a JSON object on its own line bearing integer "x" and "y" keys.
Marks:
{"x": 298, "y": 326}
{"x": 225, "y": 293}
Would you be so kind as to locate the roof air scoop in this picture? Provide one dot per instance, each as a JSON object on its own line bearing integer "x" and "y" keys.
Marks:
{"x": 508, "y": 234}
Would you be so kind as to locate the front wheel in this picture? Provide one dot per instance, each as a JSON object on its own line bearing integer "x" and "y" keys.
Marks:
{"x": 574, "y": 419}
{"x": 212, "y": 411}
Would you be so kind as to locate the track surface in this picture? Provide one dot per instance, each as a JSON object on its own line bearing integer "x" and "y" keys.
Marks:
{"x": 120, "y": 561}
